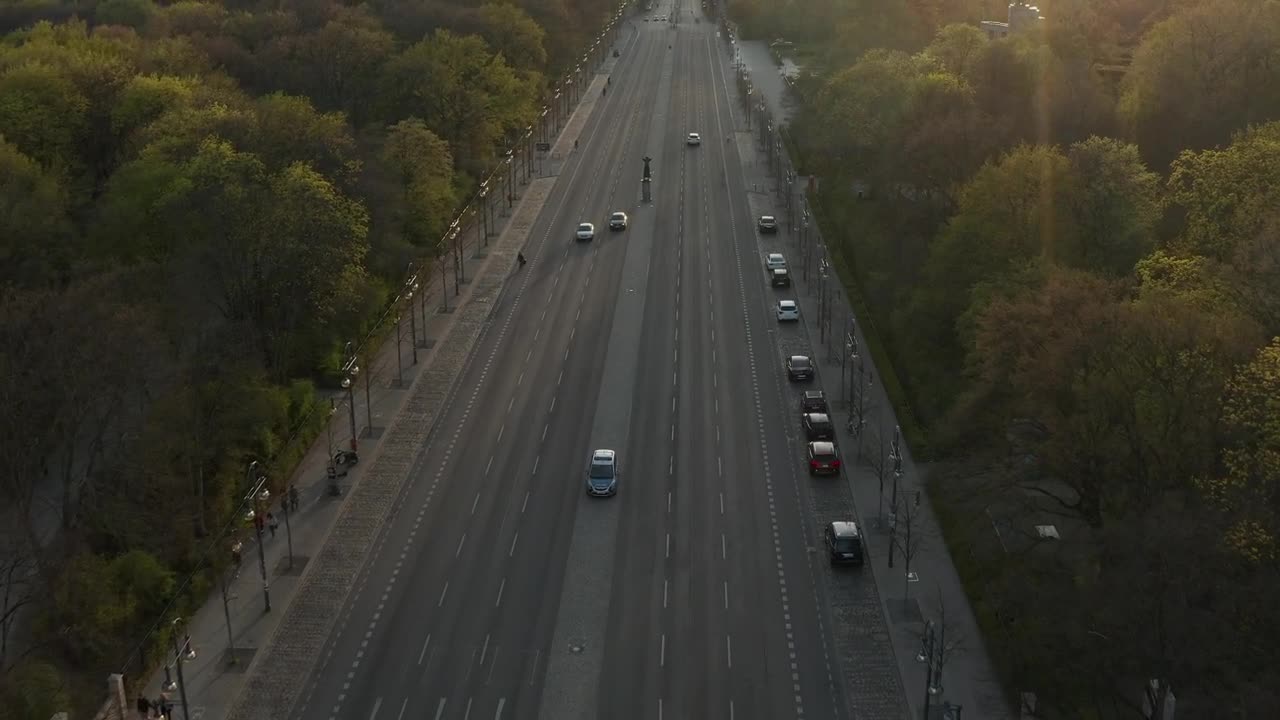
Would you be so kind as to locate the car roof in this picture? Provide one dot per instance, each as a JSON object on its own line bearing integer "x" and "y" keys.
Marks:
{"x": 845, "y": 528}
{"x": 619, "y": 214}
{"x": 812, "y": 394}
{"x": 585, "y": 224}
{"x": 767, "y": 217}
{"x": 818, "y": 417}
{"x": 787, "y": 303}
{"x": 823, "y": 447}
{"x": 603, "y": 455}
{"x": 800, "y": 357}
{"x": 775, "y": 255}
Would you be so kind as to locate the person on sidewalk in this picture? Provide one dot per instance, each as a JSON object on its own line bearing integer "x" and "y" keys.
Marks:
{"x": 272, "y": 524}
{"x": 237, "y": 555}
{"x": 293, "y": 498}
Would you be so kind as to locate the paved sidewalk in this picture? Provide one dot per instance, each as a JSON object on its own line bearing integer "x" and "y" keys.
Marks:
{"x": 935, "y": 592}
{"x": 242, "y": 667}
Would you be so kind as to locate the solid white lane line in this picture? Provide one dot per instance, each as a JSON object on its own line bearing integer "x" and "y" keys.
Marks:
{"x": 440, "y": 709}
{"x": 443, "y": 592}
{"x": 662, "y": 657}
{"x": 526, "y": 501}
{"x": 501, "y": 702}
{"x": 474, "y": 503}
{"x": 512, "y": 552}
{"x": 376, "y": 704}
{"x": 503, "y": 586}
{"x": 425, "y": 645}
{"x": 461, "y": 541}
{"x": 403, "y": 705}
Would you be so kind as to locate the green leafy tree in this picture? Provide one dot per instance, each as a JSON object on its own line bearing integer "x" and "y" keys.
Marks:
{"x": 289, "y": 130}
{"x": 1114, "y": 210}
{"x": 862, "y": 108}
{"x": 1201, "y": 75}
{"x": 956, "y": 46}
{"x": 33, "y": 690}
{"x": 44, "y": 114}
{"x": 424, "y": 167}
{"x": 338, "y": 65}
{"x": 130, "y": 13}
{"x": 469, "y": 96}
{"x": 512, "y": 33}
{"x": 35, "y": 233}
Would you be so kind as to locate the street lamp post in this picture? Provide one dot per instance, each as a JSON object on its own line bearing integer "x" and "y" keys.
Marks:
{"x": 399, "y": 351}
{"x": 349, "y": 371}
{"x": 288, "y": 527}
{"x": 255, "y": 488}
{"x": 895, "y": 454}
{"x": 410, "y": 287}
{"x": 932, "y": 646}
{"x": 181, "y": 652}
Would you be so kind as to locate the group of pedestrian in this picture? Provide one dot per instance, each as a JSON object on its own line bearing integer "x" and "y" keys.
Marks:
{"x": 269, "y": 522}
{"x": 161, "y": 707}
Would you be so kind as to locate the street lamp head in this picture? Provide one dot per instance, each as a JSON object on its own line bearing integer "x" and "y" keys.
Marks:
{"x": 346, "y": 383}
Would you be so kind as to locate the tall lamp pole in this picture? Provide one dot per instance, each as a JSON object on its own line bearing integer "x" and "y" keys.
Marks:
{"x": 257, "y": 493}
{"x": 349, "y": 371}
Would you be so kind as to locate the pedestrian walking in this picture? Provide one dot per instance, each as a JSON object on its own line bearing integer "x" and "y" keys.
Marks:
{"x": 237, "y": 554}
{"x": 164, "y": 708}
{"x": 272, "y": 524}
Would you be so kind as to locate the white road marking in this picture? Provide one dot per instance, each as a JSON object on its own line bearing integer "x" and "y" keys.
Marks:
{"x": 425, "y": 645}
{"x": 503, "y": 428}
{"x": 489, "y": 677}
{"x": 572, "y": 331}
{"x": 467, "y": 714}
{"x": 484, "y": 652}
{"x": 528, "y": 355}
{"x": 520, "y": 379}
{"x": 721, "y": 503}
{"x": 673, "y": 432}
{"x": 461, "y": 541}
{"x": 559, "y": 378}
{"x": 512, "y": 402}
{"x": 403, "y": 705}
{"x": 501, "y": 702}
{"x": 726, "y": 594}
{"x": 376, "y": 704}
{"x": 724, "y": 545}
{"x": 671, "y": 465}
{"x": 512, "y": 552}
{"x": 443, "y": 592}
{"x": 553, "y": 404}
{"x": 440, "y": 709}
{"x": 488, "y": 466}
{"x": 503, "y": 586}
{"x": 474, "y": 503}
{"x": 536, "y": 458}
{"x": 544, "y": 430}
{"x": 526, "y": 501}
{"x": 668, "y": 544}
{"x": 719, "y": 461}
{"x": 664, "y": 593}
{"x": 668, "y": 501}
{"x": 662, "y": 656}
{"x": 728, "y": 650}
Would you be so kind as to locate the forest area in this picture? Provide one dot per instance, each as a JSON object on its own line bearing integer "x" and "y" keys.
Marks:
{"x": 200, "y": 202}
{"x": 1069, "y": 243}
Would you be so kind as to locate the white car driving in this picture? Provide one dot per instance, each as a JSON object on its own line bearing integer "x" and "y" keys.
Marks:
{"x": 788, "y": 310}
{"x": 774, "y": 261}
{"x": 694, "y": 139}
{"x": 586, "y": 231}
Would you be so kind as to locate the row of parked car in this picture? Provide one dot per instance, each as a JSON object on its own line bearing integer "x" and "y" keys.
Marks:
{"x": 843, "y": 539}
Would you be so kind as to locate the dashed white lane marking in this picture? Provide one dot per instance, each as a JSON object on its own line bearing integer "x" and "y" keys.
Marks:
{"x": 489, "y": 465}
{"x": 726, "y": 594}
{"x": 503, "y": 586}
{"x": 511, "y": 403}
{"x": 526, "y": 501}
{"x": 534, "y": 472}
{"x": 668, "y": 501}
{"x": 474, "y": 503}
{"x": 440, "y": 709}
{"x": 443, "y": 592}
{"x": 668, "y": 545}
{"x": 461, "y": 541}
{"x": 467, "y": 715}
{"x": 376, "y": 704}
{"x": 662, "y": 652}
{"x": 664, "y": 593}
{"x": 512, "y": 551}
{"x": 503, "y": 428}
{"x": 728, "y": 651}
{"x": 425, "y": 645}
{"x": 403, "y": 705}
{"x": 484, "y": 652}
{"x": 501, "y": 702}
{"x": 544, "y": 430}
{"x": 724, "y": 547}
{"x": 553, "y": 405}
{"x": 721, "y": 503}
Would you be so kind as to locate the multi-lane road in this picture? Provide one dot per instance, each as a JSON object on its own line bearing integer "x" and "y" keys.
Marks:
{"x": 696, "y": 591}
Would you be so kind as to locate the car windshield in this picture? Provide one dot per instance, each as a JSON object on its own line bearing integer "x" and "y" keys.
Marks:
{"x": 601, "y": 471}
{"x": 618, "y": 216}
{"x": 846, "y": 545}
{"x": 800, "y": 362}
{"x": 584, "y": 226}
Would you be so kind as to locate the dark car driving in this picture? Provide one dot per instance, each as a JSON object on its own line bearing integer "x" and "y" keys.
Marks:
{"x": 799, "y": 368}
{"x": 844, "y": 543}
{"x": 813, "y": 401}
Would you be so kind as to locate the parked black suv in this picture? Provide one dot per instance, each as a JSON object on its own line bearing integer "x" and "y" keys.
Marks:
{"x": 814, "y": 401}
{"x": 844, "y": 543}
{"x": 817, "y": 426}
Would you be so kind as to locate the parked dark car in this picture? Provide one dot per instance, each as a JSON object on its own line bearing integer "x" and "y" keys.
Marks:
{"x": 799, "y": 367}
{"x": 817, "y": 426}
{"x": 844, "y": 543}
{"x": 814, "y": 401}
